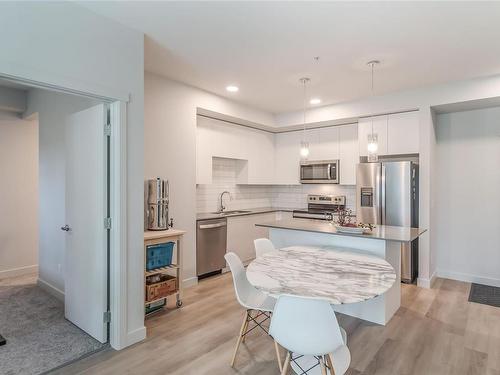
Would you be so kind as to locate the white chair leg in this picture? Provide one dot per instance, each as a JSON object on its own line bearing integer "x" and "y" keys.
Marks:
{"x": 284, "y": 371}
{"x": 278, "y": 356}
{"x": 322, "y": 365}
{"x": 240, "y": 337}
{"x": 329, "y": 359}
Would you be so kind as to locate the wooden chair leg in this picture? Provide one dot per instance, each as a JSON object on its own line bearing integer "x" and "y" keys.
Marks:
{"x": 276, "y": 346}
{"x": 242, "y": 330}
{"x": 246, "y": 326}
{"x": 329, "y": 359}
{"x": 322, "y": 365}
{"x": 286, "y": 364}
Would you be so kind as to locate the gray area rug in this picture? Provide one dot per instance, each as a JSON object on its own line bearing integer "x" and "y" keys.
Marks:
{"x": 38, "y": 336}
{"x": 485, "y": 294}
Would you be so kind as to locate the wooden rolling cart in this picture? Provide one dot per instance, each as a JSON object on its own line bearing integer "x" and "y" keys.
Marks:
{"x": 167, "y": 272}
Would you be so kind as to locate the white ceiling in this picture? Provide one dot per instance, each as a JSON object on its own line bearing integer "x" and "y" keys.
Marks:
{"x": 265, "y": 47}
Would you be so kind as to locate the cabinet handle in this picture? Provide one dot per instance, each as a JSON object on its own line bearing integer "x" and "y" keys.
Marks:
{"x": 209, "y": 226}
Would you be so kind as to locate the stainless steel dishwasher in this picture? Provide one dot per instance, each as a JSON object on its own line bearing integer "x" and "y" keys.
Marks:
{"x": 211, "y": 242}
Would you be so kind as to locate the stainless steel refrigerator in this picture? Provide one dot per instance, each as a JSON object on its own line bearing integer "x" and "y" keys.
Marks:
{"x": 387, "y": 194}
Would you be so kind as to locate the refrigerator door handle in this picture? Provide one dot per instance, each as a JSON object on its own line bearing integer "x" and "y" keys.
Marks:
{"x": 382, "y": 195}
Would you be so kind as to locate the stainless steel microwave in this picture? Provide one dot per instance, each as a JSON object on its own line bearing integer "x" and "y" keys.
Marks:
{"x": 319, "y": 172}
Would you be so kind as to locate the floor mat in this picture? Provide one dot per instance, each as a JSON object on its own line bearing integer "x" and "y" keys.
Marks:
{"x": 38, "y": 336}
{"x": 485, "y": 294}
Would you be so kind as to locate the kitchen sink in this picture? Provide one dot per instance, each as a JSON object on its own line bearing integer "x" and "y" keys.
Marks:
{"x": 224, "y": 213}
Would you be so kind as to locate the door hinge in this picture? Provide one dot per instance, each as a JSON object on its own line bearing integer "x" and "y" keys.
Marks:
{"x": 107, "y": 223}
{"x": 106, "y": 316}
{"x": 107, "y": 130}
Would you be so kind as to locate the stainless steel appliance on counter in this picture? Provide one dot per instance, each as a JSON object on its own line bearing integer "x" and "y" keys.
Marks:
{"x": 319, "y": 172}
{"x": 157, "y": 204}
{"x": 211, "y": 242}
{"x": 387, "y": 194}
{"x": 321, "y": 207}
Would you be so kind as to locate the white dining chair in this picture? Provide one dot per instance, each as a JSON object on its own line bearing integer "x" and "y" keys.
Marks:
{"x": 258, "y": 306}
{"x": 309, "y": 327}
{"x": 263, "y": 246}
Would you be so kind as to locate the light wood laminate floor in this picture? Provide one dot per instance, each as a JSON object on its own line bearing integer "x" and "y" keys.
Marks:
{"x": 436, "y": 331}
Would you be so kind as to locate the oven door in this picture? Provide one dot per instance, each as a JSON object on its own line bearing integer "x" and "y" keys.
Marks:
{"x": 319, "y": 172}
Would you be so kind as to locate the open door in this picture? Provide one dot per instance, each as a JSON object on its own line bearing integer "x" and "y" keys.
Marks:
{"x": 86, "y": 278}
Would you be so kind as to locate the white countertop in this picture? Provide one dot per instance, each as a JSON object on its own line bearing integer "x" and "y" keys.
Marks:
{"x": 380, "y": 232}
{"x": 248, "y": 211}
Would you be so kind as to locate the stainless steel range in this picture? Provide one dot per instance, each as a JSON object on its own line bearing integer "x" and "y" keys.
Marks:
{"x": 321, "y": 207}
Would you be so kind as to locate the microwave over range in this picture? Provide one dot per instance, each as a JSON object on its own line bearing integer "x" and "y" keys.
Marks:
{"x": 319, "y": 172}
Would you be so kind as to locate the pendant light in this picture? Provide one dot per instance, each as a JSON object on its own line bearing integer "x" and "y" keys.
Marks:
{"x": 372, "y": 143}
{"x": 304, "y": 145}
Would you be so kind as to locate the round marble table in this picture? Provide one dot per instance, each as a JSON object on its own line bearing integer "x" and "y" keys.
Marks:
{"x": 335, "y": 274}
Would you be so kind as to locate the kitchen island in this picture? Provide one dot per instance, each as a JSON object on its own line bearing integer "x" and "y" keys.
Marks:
{"x": 383, "y": 241}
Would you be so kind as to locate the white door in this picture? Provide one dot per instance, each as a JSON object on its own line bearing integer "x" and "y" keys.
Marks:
{"x": 86, "y": 207}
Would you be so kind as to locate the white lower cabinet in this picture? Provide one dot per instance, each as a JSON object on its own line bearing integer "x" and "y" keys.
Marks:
{"x": 241, "y": 231}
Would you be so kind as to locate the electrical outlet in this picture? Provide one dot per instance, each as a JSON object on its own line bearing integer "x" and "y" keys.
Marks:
{"x": 59, "y": 267}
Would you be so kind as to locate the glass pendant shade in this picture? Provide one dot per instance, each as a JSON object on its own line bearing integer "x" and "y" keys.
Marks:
{"x": 372, "y": 147}
{"x": 304, "y": 149}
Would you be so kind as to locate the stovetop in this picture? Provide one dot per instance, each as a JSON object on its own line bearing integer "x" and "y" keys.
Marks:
{"x": 321, "y": 207}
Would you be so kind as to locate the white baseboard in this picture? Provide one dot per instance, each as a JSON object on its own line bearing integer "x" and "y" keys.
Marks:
{"x": 192, "y": 281}
{"x": 51, "y": 289}
{"x": 468, "y": 277}
{"x": 26, "y": 270}
{"x": 136, "y": 336}
{"x": 427, "y": 283}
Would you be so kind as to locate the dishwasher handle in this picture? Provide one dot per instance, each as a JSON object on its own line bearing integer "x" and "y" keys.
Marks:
{"x": 210, "y": 226}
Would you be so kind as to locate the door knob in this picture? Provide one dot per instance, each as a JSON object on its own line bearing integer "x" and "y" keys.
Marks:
{"x": 66, "y": 228}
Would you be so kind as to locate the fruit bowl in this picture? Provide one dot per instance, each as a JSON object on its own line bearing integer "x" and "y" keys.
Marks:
{"x": 350, "y": 229}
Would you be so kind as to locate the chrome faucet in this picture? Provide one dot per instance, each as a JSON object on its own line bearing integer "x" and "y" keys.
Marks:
{"x": 221, "y": 206}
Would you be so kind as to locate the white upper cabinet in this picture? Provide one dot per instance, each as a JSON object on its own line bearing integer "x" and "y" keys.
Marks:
{"x": 323, "y": 143}
{"x": 265, "y": 158}
{"x": 287, "y": 158}
{"x": 379, "y": 128}
{"x": 254, "y": 148}
{"x": 348, "y": 153}
{"x": 403, "y": 133}
{"x": 397, "y": 133}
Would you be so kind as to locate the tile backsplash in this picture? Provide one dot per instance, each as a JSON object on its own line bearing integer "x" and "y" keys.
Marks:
{"x": 254, "y": 196}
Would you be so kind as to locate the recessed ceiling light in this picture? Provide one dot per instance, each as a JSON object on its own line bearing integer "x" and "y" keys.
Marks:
{"x": 232, "y": 88}
{"x": 315, "y": 101}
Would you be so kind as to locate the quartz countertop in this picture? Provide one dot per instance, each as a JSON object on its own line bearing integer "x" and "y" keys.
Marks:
{"x": 380, "y": 232}
{"x": 248, "y": 211}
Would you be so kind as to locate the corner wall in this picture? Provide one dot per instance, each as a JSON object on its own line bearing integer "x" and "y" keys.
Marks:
{"x": 18, "y": 195}
{"x": 467, "y": 219}
{"x": 65, "y": 45}
{"x": 170, "y": 119}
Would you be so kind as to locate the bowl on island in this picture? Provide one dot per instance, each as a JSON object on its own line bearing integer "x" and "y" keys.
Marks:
{"x": 354, "y": 228}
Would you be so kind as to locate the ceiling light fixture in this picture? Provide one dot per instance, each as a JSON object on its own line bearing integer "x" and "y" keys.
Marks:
{"x": 232, "y": 88}
{"x": 314, "y": 101}
{"x": 304, "y": 145}
{"x": 372, "y": 144}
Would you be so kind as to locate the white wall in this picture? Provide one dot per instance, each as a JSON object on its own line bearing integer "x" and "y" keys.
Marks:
{"x": 18, "y": 195}
{"x": 467, "y": 187}
{"x": 170, "y": 147}
{"x": 422, "y": 99}
{"x": 66, "y": 45}
{"x": 12, "y": 100}
{"x": 52, "y": 109}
